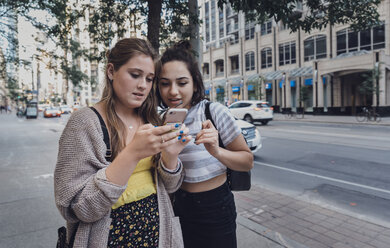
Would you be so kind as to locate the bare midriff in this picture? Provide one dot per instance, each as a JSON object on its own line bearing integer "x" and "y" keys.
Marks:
{"x": 210, "y": 184}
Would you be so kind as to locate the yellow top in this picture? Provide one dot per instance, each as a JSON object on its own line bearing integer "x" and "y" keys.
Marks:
{"x": 140, "y": 184}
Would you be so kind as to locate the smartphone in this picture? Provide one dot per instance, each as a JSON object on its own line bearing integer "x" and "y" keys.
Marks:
{"x": 175, "y": 116}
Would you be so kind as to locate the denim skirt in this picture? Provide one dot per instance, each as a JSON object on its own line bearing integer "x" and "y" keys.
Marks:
{"x": 208, "y": 219}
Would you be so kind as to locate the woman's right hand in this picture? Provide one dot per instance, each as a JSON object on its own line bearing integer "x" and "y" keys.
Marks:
{"x": 149, "y": 140}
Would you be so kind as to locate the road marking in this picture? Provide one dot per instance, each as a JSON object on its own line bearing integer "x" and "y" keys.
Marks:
{"x": 324, "y": 177}
{"x": 44, "y": 176}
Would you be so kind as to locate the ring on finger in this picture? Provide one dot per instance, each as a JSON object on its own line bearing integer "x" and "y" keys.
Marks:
{"x": 162, "y": 139}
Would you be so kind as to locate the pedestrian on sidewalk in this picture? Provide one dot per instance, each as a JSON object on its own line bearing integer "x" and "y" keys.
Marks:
{"x": 113, "y": 190}
{"x": 204, "y": 202}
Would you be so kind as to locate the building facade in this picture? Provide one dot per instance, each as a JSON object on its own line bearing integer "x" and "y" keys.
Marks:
{"x": 244, "y": 60}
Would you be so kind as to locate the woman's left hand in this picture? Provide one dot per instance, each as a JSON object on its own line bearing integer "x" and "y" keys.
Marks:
{"x": 170, "y": 154}
{"x": 209, "y": 137}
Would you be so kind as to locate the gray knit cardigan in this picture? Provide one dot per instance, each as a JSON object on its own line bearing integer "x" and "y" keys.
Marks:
{"x": 83, "y": 194}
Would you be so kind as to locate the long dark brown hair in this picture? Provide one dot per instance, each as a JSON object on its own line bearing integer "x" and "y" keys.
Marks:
{"x": 182, "y": 52}
{"x": 120, "y": 54}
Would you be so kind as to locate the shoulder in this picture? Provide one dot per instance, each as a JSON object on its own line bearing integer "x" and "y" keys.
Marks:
{"x": 82, "y": 119}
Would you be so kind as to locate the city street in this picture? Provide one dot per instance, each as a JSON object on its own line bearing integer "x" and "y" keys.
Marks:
{"x": 344, "y": 167}
{"x": 337, "y": 166}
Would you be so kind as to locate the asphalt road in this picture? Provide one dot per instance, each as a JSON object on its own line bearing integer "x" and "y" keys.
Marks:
{"x": 339, "y": 166}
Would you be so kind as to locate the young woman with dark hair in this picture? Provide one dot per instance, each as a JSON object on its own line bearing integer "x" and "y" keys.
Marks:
{"x": 204, "y": 202}
{"x": 119, "y": 198}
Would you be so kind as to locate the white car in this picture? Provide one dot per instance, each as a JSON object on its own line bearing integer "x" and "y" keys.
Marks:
{"x": 251, "y": 134}
{"x": 252, "y": 110}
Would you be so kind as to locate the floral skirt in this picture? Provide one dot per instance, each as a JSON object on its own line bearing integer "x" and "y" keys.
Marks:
{"x": 135, "y": 224}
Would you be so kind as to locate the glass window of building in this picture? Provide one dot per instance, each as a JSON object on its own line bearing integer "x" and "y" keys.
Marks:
{"x": 234, "y": 39}
{"x": 266, "y": 28}
{"x": 287, "y": 53}
{"x": 213, "y": 21}
{"x": 219, "y": 68}
{"x": 249, "y": 30}
{"x": 206, "y": 70}
{"x": 370, "y": 39}
{"x": 250, "y": 61}
{"x": 234, "y": 65}
{"x": 315, "y": 47}
{"x": 266, "y": 57}
{"x": 221, "y": 23}
{"x": 207, "y": 21}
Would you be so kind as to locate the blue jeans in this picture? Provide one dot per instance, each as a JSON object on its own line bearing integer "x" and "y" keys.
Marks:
{"x": 208, "y": 219}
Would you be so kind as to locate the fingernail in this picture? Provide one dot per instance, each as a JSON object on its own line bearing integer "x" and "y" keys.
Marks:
{"x": 179, "y": 137}
{"x": 176, "y": 125}
{"x": 184, "y": 140}
{"x": 181, "y": 131}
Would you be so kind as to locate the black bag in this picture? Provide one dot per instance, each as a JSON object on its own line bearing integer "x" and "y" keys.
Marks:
{"x": 237, "y": 180}
{"x": 61, "y": 241}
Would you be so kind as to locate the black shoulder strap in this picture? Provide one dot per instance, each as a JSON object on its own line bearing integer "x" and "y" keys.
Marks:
{"x": 208, "y": 117}
{"x": 106, "y": 137}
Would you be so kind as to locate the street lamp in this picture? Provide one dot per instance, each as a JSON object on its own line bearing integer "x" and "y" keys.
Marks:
{"x": 284, "y": 89}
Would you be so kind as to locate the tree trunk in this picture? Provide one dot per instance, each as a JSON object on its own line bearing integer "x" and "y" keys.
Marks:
{"x": 194, "y": 27}
{"x": 154, "y": 19}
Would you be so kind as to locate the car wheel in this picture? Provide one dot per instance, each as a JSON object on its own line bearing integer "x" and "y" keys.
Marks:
{"x": 248, "y": 118}
{"x": 264, "y": 122}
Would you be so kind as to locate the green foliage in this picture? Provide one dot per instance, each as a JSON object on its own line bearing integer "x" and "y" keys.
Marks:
{"x": 368, "y": 86}
{"x": 360, "y": 14}
{"x": 304, "y": 93}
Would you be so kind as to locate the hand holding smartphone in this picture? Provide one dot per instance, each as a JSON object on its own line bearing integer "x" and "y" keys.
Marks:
{"x": 175, "y": 116}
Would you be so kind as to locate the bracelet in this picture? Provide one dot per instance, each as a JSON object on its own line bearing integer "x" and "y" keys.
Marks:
{"x": 174, "y": 171}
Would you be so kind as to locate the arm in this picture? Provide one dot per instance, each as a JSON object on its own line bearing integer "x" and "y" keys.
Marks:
{"x": 236, "y": 155}
{"x": 82, "y": 191}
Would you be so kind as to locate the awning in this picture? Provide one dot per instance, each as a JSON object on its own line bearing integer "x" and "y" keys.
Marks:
{"x": 235, "y": 80}
{"x": 273, "y": 75}
{"x": 220, "y": 82}
{"x": 254, "y": 78}
{"x": 301, "y": 72}
{"x": 308, "y": 81}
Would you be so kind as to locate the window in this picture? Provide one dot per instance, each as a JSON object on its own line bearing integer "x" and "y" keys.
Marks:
{"x": 315, "y": 47}
{"x": 213, "y": 24}
{"x": 250, "y": 33}
{"x": 287, "y": 53}
{"x": 219, "y": 68}
{"x": 250, "y": 61}
{"x": 234, "y": 64}
{"x": 235, "y": 38}
{"x": 369, "y": 39}
{"x": 205, "y": 70}
{"x": 266, "y": 57}
{"x": 221, "y": 23}
{"x": 207, "y": 21}
{"x": 266, "y": 28}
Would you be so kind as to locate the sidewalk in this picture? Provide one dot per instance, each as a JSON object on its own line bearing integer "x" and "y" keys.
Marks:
{"x": 268, "y": 219}
{"x": 385, "y": 121}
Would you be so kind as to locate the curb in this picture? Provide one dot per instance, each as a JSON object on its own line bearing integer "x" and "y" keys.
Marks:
{"x": 336, "y": 122}
{"x": 268, "y": 233}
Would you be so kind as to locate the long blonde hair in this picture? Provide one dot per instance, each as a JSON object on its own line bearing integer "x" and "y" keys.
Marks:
{"x": 120, "y": 54}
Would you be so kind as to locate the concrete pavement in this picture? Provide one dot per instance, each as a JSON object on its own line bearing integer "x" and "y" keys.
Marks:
{"x": 269, "y": 219}
{"x": 385, "y": 121}
{"x": 282, "y": 221}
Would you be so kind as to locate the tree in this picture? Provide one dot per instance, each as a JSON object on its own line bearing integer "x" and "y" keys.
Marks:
{"x": 166, "y": 20}
{"x": 61, "y": 33}
{"x": 303, "y": 97}
{"x": 360, "y": 14}
{"x": 369, "y": 85}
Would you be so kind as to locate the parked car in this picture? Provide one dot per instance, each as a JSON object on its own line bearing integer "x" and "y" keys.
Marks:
{"x": 252, "y": 110}
{"x": 251, "y": 134}
{"x": 66, "y": 109}
{"x": 52, "y": 112}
